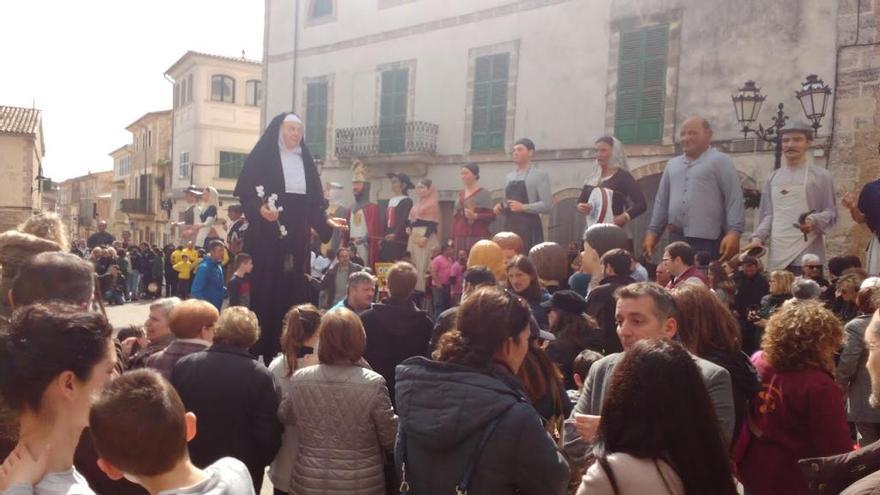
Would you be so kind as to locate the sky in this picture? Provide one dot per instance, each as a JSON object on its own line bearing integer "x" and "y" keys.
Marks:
{"x": 95, "y": 66}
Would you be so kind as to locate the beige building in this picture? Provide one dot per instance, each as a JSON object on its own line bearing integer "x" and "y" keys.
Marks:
{"x": 84, "y": 201}
{"x": 141, "y": 177}
{"x": 424, "y": 86}
{"x": 21, "y": 155}
{"x": 216, "y": 122}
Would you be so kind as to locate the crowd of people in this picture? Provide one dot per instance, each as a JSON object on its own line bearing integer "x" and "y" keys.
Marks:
{"x": 476, "y": 364}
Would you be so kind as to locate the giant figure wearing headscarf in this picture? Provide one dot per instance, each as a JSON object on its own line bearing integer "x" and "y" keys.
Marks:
{"x": 281, "y": 194}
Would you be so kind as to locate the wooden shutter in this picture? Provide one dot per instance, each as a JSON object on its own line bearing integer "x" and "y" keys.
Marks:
{"x": 491, "y": 74}
{"x": 392, "y": 110}
{"x": 316, "y": 118}
{"x": 641, "y": 85}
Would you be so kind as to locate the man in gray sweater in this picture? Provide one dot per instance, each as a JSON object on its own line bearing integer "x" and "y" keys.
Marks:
{"x": 644, "y": 311}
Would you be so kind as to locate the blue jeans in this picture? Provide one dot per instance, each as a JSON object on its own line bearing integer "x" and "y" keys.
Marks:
{"x": 133, "y": 284}
{"x": 440, "y": 299}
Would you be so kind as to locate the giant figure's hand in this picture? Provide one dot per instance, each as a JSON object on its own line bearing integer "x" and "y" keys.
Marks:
{"x": 729, "y": 246}
{"x": 649, "y": 243}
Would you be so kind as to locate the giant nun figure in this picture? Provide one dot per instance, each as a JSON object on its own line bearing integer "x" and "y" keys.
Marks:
{"x": 280, "y": 164}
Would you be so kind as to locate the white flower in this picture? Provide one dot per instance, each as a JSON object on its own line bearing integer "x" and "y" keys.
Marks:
{"x": 283, "y": 230}
{"x": 279, "y": 209}
{"x": 261, "y": 191}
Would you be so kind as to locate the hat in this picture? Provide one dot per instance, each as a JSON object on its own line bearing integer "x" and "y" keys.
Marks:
{"x": 754, "y": 252}
{"x": 566, "y": 300}
{"x": 193, "y": 189}
{"x": 403, "y": 178}
{"x": 474, "y": 168}
{"x": 794, "y": 126}
{"x": 870, "y": 282}
{"x": 359, "y": 172}
{"x": 537, "y": 332}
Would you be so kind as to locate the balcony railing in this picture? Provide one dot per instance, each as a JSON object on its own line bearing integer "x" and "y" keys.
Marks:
{"x": 407, "y": 137}
{"x": 135, "y": 205}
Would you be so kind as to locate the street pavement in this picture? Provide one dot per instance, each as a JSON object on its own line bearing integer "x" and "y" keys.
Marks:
{"x": 135, "y": 313}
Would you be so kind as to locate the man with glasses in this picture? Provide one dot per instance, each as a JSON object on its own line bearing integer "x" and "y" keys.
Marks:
{"x": 678, "y": 259}
{"x": 797, "y": 205}
{"x": 812, "y": 269}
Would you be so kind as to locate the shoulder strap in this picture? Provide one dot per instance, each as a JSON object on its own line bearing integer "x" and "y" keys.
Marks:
{"x": 462, "y": 487}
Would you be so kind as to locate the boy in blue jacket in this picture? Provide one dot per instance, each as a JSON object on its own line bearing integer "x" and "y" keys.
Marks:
{"x": 209, "y": 283}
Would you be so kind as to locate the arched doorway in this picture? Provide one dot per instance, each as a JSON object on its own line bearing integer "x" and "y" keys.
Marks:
{"x": 565, "y": 223}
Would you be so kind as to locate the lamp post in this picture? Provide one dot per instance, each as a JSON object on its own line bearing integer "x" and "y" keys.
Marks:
{"x": 813, "y": 96}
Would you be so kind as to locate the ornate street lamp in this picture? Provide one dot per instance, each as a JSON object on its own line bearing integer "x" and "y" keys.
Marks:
{"x": 747, "y": 105}
{"x": 813, "y": 96}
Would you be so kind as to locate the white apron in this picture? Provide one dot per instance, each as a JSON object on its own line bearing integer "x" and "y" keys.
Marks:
{"x": 787, "y": 241}
{"x": 600, "y": 198}
{"x": 873, "y": 255}
{"x": 357, "y": 224}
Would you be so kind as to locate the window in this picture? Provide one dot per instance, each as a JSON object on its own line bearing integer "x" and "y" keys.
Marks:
{"x": 641, "y": 85}
{"x": 150, "y": 138}
{"x": 321, "y": 8}
{"x": 316, "y": 118}
{"x": 392, "y": 110}
{"x": 490, "y": 102}
{"x": 189, "y": 89}
{"x": 253, "y": 93}
{"x": 183, "y": 88}
{"x": 231, "y": 164}
{"x": 223, "y": 89}
{"x": 184, "y": 169}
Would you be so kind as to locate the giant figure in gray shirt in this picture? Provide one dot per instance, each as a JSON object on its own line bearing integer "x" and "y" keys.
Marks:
{"x": 700, "y": 198}
{"x": 797, "y": 204}
{"x": 644, "y": 311}
{"x": 526, "y": 196}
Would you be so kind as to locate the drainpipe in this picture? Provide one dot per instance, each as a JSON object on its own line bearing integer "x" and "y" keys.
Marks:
{"x": 295, "y": 47}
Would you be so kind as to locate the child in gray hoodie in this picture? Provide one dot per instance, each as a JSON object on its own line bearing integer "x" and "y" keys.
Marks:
{"x": 141, "y": 430}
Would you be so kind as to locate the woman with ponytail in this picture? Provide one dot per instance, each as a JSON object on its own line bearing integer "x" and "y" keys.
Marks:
{"x": 299, "y": 339}
{"x": 464, "y": 412}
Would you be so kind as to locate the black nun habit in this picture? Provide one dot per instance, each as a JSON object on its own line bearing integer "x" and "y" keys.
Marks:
{"x": 280, "y": 261}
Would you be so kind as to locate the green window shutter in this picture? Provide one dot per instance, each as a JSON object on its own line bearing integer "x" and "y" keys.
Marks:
{"x": 641, "y": 85}
{"x": 491, "y": 74}
{"x": 316, "y": 118}
{"x": 392, "y": 110}
{"x": 231, "y": 164}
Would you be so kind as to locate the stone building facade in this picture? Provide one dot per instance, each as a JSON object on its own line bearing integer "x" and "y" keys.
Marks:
{"x": 565, "y": 72}
{"x": 84, "y": 201}
{"x": 21, "y": 154}
{"x": 141, "y": 178}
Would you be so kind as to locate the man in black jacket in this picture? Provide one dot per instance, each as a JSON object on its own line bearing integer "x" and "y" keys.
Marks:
{"x": 601, "y": 304}
{"x": 335, "y": 281}
{"x": 751, "y": 287}
{"x": 396, "y": 329}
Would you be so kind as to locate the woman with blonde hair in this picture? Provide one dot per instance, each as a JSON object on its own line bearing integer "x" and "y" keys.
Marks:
{"x": 299, "y": 340}
{"x": 207, "y": 224}
{"x": 780, "y": 291}
{"x": 348, "y": 424}
{"x": 39, "y": 233}
{"x": 489, "y": 254}
{"x": 799, "y": 412}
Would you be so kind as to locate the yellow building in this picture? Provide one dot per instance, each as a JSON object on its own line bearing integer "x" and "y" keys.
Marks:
{"x": 21, "y": 154}
{"x": 216, "y": 116}
{"x": 84, "y": 201}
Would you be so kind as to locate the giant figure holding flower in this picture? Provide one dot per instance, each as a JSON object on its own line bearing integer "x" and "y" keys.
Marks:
{"x": 281, "y": 194}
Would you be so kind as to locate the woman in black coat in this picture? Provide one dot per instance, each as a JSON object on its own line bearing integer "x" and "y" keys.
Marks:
{"x": 233, "y": 397}
{"x": 281, "y": 194}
